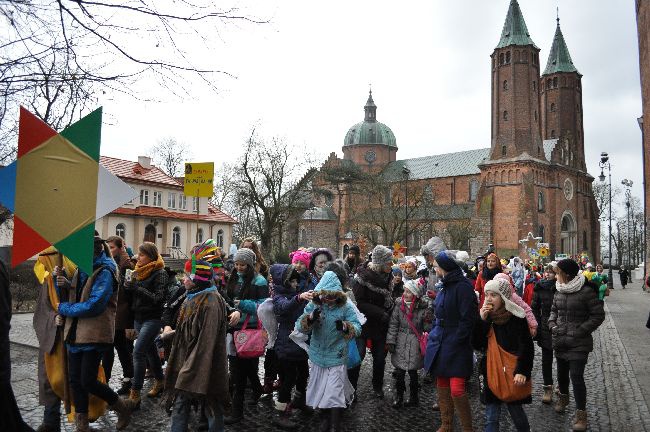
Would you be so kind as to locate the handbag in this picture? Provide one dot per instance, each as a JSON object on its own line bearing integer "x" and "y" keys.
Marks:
{"x": 501, "y": 372}
{"x": 250, "y": 343}
{"x": 354, "y": 359}
{"x": 422, "y": 337}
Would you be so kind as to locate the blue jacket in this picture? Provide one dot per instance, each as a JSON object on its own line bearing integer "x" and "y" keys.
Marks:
{"x": 328, "y": 346}
{"x": 287, "y": 308}
{"x": 257, "y": 293}
{"x": 100, "y": 294}
{"x": 449, "y": 348}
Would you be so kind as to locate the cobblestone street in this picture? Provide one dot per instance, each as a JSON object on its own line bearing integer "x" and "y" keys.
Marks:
{"x": 615, "y": 398}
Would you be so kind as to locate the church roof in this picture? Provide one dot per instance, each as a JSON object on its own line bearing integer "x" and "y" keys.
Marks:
{"x": 370, "y": 131}
{"x": 559, "y": 60}
{"x": 515, "y": 31}
{"x": 319, "y": 214}
{"x": 438, "y": 166}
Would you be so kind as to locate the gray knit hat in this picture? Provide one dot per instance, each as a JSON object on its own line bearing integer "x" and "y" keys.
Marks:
{"x": 381, "y": 255}
{"x": 246, "y": 256}
{"x": 433, "y": 246}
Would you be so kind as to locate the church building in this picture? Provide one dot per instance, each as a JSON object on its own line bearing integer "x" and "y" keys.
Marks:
{"x": 532, "y": 178}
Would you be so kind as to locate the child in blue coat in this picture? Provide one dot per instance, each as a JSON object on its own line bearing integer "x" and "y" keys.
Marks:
{"x": 332, "y": 322}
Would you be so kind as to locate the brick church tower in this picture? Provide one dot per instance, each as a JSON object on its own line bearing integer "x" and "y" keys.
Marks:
{"x": 535, "y": 179}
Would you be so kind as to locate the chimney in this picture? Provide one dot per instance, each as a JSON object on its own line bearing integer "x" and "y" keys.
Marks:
{"x": 144, "y": 161}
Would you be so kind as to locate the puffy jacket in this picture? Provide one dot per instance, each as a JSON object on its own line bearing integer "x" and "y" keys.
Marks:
{"x": 449, "y": 348}
{"x": 149, "y": 295}
{"x": 374, "y": 299}
{"x": 287, "y": 308}
{"x": 407, "y": 355}
{"x": 541, "y": 306}
{"x": 328, "y": 346}
{"x": 573, "y": 318}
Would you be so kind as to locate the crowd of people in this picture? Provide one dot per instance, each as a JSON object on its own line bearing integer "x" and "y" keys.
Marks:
{"x": 200, "y": 334}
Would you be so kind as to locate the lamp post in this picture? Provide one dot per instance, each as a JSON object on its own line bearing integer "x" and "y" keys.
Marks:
{"x": 604, "y": 163}
{"x": 406, "y": 173}
{"x": 628, "y": 195}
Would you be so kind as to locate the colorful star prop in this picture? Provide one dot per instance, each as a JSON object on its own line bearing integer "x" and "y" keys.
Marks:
{"x": 530, "y": 242}
{"x": 57, "y": 189}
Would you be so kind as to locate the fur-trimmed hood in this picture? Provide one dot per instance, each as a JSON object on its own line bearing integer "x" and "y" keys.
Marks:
{"x": 328, "y": 285}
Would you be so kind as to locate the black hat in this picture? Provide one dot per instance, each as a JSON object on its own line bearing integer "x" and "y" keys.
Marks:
{"x": 355, "y": 249}
{"x": 568, "y": 266}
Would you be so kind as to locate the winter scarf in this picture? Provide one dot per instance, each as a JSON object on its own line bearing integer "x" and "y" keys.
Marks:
{"x": 388, "y": 296}
{"x": 143, "y": 272}
{"x": 500, "y": 316}
{"x": 488, "y": 274}
{"x": 574, "y": 285}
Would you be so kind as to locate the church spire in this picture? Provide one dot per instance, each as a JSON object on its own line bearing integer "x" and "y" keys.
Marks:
{"x": 370, "y": 109}
{"x": 559, "y": 60}
{"x": 515, "y": 31}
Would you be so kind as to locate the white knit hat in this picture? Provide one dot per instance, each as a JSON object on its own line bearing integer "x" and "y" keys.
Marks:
{"x": 502, "y": 287}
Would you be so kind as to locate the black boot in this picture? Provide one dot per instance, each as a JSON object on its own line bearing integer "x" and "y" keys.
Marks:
{"x": 125, "y": 389}
{"x": 283, "y": 419}
{"x": 337, "y": 414}
{"x": 299, "y": 402}
{"x": 400, "y": 388}
{"x": 237, "y": 413}
{"x": 414, "y": 399}
{"x": 399, "y": 399}
{"x": 325, "y": 420}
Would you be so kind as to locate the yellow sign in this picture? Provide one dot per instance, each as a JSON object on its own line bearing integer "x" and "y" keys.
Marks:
{"x": 198, "y": 179}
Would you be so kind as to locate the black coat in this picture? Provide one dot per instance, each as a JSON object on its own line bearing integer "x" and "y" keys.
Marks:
{"x": 514, "y": 337}
{"x": 149, "y": 295}
{"x": 574, "y": 317}
{"x": 374, "y": 300}
{"x": 541, "y": 306}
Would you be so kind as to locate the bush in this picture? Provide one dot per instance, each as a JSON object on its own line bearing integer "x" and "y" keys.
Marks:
{"x": 24, "y": 286}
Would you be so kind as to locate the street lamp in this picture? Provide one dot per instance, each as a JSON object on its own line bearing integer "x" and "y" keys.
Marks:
{"x": 604, "y": 163}
{"x": 406, "y": 173}
{"x": 628, "y": 194}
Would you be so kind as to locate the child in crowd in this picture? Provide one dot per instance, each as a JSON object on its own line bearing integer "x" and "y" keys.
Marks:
{"x": 404, "y": 331}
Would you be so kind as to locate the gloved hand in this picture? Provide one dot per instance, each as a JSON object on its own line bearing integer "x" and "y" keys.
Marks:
{"x": 391, "y": 348}
{"x": 59, "y": 320}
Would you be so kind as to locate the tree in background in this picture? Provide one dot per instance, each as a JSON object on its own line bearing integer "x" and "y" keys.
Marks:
{"x": 169, "y": 155}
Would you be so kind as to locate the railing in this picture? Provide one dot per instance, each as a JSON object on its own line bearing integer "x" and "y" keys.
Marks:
{"x": 177, "y": 253}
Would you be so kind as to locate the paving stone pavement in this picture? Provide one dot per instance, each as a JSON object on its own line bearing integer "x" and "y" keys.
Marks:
{"x": 615, "y": 401}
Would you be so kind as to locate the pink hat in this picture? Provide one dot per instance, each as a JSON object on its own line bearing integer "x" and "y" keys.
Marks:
{"x": 300, "y": 256}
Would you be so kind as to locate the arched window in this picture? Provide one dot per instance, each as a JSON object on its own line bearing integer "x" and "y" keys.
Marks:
{"x": 555, "y": 82}
{"x": 508, "y": 57}
{"x": 199, "y": 235}
{"x": 524, "y": 56}
{"x": 505, "y": 115}
{"x": 120, "y": 230}
{"x": 553, "y": 133}
{"x": 540, "y": 232}
{"x": 219, "y": 238}
{"x": 539, "y": 151}
{"x": 535, "y": 115}
{"x": 552, "y": 107}
{"x": 303, "y": 236}
{"x": 534, "y": 85}
{"x": 501, "y": 59}
{"x": 505, "y": 84}
{"x": 540, "y": 201}
{"x": 473, "y": 190}
{"x": 549, "y": 83}
{"x": 504, "y": 150}
{"x": 176, "y": 237}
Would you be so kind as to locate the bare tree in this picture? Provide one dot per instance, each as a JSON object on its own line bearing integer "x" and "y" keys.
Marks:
{"x": 458, "y": 234}
{"x": 270, "y": 184}
{"x": 169, "y": 155}
{"x": 224, "y": 193}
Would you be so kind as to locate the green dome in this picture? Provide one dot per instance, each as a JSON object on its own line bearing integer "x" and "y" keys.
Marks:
{"x": 370, "y": 131}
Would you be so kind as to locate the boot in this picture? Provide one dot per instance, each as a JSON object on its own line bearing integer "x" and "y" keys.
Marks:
{"x": 134, "y": 397}
{"x": 325, "y": 420}
{"x": 157, "y": 389}
{"x": 123, "y": 408}
{"x": 561, "y": 403}
{"x": 548, "y": 394}
{"x": 48, "y": 428}
{"x": 414, "y": 393}
{"x": 125, "y": 388}
{"x": 580, "y": 425}
{"x": 461, "y": 405}
{"x": 81, "y": 422}
{"x": 237, "y": 412}
{"x": 337, "y": 414}
{"x": 299, "y": 402}
{"x": 283, "y": 419}
{"x": 399, "y": 399}
{"x": 268, "y": 386}
{"x": 446, "y": 409}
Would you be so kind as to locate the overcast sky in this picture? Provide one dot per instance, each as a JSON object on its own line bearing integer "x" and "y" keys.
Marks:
{"x": 305, "y": 76}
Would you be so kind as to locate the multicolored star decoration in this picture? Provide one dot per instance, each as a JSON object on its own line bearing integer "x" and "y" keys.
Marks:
{"x": 57, "y": 189}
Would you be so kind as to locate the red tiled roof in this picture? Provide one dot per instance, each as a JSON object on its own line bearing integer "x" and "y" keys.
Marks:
{"x": 129, "y": 170}
{"x": 214, "y": 214}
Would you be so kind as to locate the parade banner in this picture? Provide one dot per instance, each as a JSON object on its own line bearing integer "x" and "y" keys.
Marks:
{"x": 199, "y": 178}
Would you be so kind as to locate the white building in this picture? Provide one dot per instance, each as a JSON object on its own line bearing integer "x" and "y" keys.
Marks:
{"x": 162, "y": 214}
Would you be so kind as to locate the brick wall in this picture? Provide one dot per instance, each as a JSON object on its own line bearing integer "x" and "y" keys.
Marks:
{"x": 643, "y": 25}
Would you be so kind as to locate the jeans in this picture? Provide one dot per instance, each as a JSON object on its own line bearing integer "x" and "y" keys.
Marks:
{"x": 378, "y": 352}
{"x": 145, "y": 351}
{"x": 82, "y": 367}
{"x": 547, "y": 366}
{"x": 181, "y": 416}
{"x": 124, "y": 348}
{"x": 576, "y": 370}
{"x": 517, "y": 414}
{"x": 293, "y": 373}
